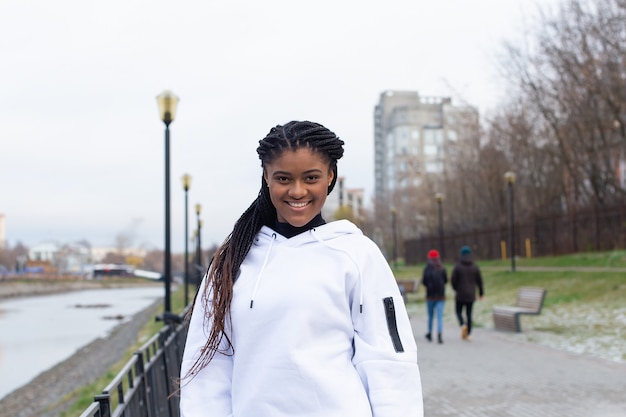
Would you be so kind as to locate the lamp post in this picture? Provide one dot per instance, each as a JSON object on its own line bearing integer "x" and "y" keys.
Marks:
{"x": 394, "y": 231}
{"x": 167, "y": 103}
{"x": 439, "y": 198}
{"x": 199, "y": 269}
{"x": 186, "y": 184}
{"x": 510, "y": 180}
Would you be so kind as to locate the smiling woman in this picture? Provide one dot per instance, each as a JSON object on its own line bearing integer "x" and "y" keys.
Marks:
{"x": 297, "y": 316}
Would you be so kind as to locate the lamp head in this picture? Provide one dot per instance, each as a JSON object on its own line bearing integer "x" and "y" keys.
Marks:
{"x": 439, "y": 197}
{"x": 198, "y": 207}
{"x": 509, "y": 176}
{"x": 186, "y": 179}
{"x": 167, "y": 103}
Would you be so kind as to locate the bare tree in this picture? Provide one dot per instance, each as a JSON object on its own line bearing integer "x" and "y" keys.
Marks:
{"x": 573, "y": 78}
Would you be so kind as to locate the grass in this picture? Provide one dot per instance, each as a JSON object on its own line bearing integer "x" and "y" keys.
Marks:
{"x": 584, "y": 311}
{"x": 612, "y": 259}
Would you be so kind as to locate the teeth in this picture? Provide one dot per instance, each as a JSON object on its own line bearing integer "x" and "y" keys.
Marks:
{"x": 298, "y": 204}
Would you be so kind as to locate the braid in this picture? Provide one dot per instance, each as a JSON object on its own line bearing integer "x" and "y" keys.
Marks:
{"x": 223, "y": 271}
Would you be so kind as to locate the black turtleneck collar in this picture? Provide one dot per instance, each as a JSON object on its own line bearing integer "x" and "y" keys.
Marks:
{"x": 290, "y": 231}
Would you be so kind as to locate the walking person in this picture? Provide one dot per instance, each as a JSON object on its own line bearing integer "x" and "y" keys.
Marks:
{"x": 296, "y": 316}
{"x": 434, "y": 278}
{"x": 465, "y": 280}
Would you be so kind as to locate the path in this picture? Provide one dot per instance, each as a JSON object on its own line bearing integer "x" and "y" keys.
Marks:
{"x": 496, "y": 375}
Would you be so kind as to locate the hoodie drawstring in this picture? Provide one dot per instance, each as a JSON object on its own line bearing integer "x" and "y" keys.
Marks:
{"x": 258, "y": 278}
{"x": 353, "y": 260}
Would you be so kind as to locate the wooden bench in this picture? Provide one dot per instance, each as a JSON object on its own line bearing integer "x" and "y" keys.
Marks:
{"x": 408, "y": 285}
{"x": 529, "y": 301}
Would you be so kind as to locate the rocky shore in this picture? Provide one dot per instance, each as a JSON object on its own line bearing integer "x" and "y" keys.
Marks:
{"x": 25, "y": 288}
{"x": 47, "y": 394}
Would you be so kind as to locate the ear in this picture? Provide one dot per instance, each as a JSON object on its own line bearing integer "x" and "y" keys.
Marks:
{"x": 265, "y": 177}
{"x": 331, "y": 175}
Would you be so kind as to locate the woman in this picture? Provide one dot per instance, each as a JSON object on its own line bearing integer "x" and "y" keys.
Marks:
{"x": 297, "y": 317}
{"x": 434, "y": 279}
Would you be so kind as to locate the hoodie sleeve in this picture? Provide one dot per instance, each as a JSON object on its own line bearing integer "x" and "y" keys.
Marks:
{"x": 209, "y": 391}
{"x": 385, "y": 353}
{"x": 425, "y": 280}
{"x": 455, "y": 277}
{"x": 479, "y": 282}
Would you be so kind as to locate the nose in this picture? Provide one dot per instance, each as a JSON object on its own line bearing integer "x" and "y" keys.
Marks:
{"x": 297, "y": 190}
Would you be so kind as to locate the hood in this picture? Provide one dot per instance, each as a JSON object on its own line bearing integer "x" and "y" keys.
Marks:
{"x": 466, "y": 259}
{"x": 324, "y": 234}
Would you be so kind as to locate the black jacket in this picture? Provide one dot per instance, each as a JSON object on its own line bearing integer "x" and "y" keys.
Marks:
{"x": 435, "y": 279}
{"x": 465, "y": 279}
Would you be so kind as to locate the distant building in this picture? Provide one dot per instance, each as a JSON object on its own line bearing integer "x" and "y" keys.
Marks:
{"x": 64, "y": 259}
{"x": 45, "y": 251}
{"x": 98, "y": 254}
{"x": 415, "y": 137}
{"x": 343, "y": 197}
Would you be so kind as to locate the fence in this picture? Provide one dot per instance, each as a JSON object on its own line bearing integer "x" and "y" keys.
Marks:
{"x": 144, "y": 386}
{"x": 597, "y": 229}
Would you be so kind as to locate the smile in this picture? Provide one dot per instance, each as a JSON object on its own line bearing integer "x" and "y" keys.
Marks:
{"x": 297, "y": 204}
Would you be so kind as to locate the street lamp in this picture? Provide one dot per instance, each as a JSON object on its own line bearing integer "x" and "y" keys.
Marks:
{"x": 439, "y": 198}
{"x": 199, "y": 269}
{"x": 395, "y": 236}
{"x": 186, "y": 184}
{"x": 167, "y": 103}
{"x": 510, "y": 180}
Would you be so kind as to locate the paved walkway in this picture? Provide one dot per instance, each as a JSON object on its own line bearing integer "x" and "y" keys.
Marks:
{"x": 495, "y": 375}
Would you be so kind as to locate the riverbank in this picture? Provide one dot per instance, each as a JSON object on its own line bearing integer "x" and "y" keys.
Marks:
{"x": 47, "y": 395}
{"x": 36, "y": 287}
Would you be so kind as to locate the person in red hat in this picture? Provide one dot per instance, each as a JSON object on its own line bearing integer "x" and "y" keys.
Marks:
{"x": 434, "y": 279}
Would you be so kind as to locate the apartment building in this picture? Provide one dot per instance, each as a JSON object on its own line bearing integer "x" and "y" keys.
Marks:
{"x": 416, "y": 137}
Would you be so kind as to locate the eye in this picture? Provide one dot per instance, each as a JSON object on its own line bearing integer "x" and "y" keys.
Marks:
{"x": 281, "y": 179}
{"x": 312, "y": 178}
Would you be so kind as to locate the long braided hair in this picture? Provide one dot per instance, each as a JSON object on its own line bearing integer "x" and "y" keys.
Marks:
{"x": 222, "y": 273}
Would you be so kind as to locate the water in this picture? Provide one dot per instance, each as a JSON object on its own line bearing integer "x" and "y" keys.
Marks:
{"x": 37, "y": 333}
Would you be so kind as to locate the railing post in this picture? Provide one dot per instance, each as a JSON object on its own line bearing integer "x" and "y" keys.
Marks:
{"x": 105, "y": 404}
{"x": 143, "y": 384}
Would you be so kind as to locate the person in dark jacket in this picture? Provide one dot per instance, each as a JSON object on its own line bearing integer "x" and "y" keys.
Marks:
{"x": 434, "y": 279}
{"x": 465, "y": 279}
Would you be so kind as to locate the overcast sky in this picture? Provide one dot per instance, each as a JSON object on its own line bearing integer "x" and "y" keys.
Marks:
{"x": 81, "y": 142}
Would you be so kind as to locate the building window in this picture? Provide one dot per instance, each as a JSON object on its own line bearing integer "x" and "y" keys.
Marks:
{"x": 434, "y": 167}
{"x": 433, "y": 136}
{"x": 431, "y": 150}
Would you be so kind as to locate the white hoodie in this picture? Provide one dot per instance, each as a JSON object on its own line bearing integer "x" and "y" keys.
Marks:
{"x": 313, "y": 333}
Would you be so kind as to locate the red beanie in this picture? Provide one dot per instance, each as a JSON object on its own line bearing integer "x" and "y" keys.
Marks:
{"x": 432, "y": 254}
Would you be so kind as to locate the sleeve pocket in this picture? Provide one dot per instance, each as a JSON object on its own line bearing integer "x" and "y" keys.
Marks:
{"x": 392, "y": 325}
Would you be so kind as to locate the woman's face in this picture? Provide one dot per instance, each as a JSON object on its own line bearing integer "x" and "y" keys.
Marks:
{"x": 298, "y": 183}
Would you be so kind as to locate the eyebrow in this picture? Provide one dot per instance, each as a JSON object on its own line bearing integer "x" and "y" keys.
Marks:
{"x": 310, "y": 171}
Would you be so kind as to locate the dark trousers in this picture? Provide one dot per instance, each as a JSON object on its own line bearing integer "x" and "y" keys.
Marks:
{"x": 468, "y": 314}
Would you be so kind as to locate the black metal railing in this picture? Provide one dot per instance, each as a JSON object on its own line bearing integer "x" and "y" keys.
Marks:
{"x": 598, "y": 229}
{"x": 146, "y": 386}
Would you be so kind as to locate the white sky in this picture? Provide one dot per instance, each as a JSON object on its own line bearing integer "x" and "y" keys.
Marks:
{"x": 81, "y": 142}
